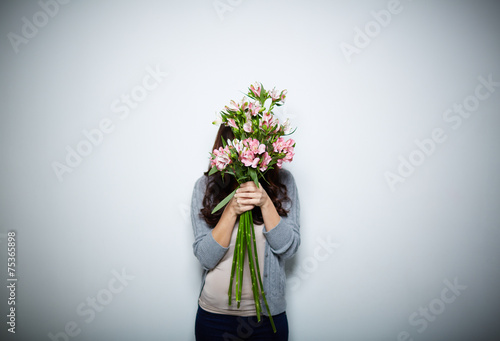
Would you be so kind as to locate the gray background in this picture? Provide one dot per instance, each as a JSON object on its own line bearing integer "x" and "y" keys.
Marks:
{"x": 125, "y": 206}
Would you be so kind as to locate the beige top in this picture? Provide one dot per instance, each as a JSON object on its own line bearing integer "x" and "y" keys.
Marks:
{"x": 214, "y": 296}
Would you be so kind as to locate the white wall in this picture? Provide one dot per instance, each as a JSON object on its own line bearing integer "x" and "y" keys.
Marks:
{"x": 124, "y": 207}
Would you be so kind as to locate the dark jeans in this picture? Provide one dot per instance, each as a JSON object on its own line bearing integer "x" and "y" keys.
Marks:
{"x": 219, "y": 327}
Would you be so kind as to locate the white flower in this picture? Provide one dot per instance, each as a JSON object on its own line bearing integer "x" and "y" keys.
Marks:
{"x": 218, "y": 119}
{"x": 286, "y": 127}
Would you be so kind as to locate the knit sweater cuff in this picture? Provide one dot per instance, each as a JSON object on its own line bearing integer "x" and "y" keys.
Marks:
{"x": 280, "y": 237}
{"x": 213, "y": 250}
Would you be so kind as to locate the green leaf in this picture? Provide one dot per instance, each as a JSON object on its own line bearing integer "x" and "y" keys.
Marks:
{"x": 241, "y": 179}
{"x": 223, "y": 202}
{"x": 253, "y": 175}
{"x": 213, "y": 171}
{"x": 290, "y": 132}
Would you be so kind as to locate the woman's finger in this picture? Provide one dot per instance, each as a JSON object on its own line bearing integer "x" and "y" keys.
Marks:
{"x": 245, "y": 190}
{"x": 249, "y": 189}
{"x": 249, "y": 184}
{"x": 249, "y": 201}
{"x": 243, "y": 194}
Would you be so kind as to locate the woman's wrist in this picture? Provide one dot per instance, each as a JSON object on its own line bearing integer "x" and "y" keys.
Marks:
{"x": 270, "y": 214}
{"x": 268, "y": 203}
{"x": 230, "y": 212}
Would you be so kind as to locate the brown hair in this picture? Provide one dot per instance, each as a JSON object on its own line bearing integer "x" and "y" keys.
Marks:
{"x": 218, "y": 188}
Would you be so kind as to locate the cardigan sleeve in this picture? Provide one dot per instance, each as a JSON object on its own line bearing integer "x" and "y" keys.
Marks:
{"x": 205, "y": 247}
{"x": 284, "y": 238}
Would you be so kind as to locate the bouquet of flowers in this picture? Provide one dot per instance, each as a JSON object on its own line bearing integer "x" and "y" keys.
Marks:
{"x": 258, "y": 146}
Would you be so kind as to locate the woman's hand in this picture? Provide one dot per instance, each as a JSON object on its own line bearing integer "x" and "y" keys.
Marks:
{"x": 247, "y": 197}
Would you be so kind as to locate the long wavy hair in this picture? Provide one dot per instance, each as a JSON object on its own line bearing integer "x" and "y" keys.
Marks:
{"x": 218, "y": 188}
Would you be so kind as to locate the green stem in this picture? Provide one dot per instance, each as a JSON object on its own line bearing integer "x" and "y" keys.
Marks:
{"x": 248, "y": 228}
{"x": 237, "y": 255}
{"x": 241, "y": 261}
{"x": 233, "y": 268}
{"x": 258, "y": 275}
{"x": 244, "y": 238}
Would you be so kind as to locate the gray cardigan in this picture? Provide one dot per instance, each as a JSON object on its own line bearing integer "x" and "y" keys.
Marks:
{"x": 281, "y": 243}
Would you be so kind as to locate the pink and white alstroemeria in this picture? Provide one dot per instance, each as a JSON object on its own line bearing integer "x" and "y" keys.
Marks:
{"x": 254, "y": 108}
{"x": 289, "y": 154}
{"x": 248, "y": 158}
{"x": 265, "y": 161}
{"x": 256, "y": 88}
{"x": 218, "y": 119}
{"x": 233, "y": 106}
{"x": 274, "y": 94}
{"x": 282, "y": 146}
{"x": 244, "y": 104}
{"x": 236, "y": 144}
{"x": 248, "y": 127}
{"x": 232, "y": 123}
{"x": 222, "y": 158}
{"x": 268, "y": 120}
{"x": 286, "y": 127}
{"x": 283, "y": 95}
{"x": 254, "y": 145}
{"x": 279, "y": 145}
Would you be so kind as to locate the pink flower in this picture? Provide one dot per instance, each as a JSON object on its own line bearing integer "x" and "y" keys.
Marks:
{"x": 254, "y": 108}
{"x": 248, "y": 158}
{"x": 221, "y": 158}
{"x": 232, "y": 123}
{"x": 265, "y": 161}
{"x": 244, "y": 104}
{"x": 233, "y": 106}
{"x": 268, "y": 121}
{"x": 286, "y": 147}
{"x": 256, "y": 88}
{"x": 283, "y": 95}
{"x": 261, "y": 149}
{"x": 290, "y": 143}
{"x": 254, "y": 146}
{"x": 279, "y": 145}
{"x": 279, "y": 163}
{"x": 274, "y": 94}
{"x": 249, "y": 151}
{"x": 248, "y": 127}
{"x": 237, "y": 144}
{"x": 289, "y": 155}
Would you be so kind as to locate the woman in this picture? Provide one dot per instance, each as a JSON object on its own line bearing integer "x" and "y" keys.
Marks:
{"x": 275, "y": 210}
